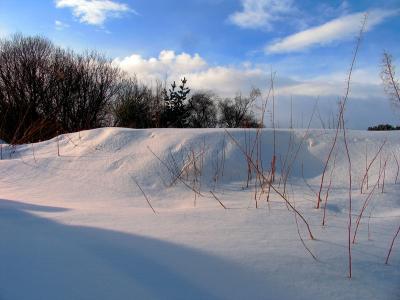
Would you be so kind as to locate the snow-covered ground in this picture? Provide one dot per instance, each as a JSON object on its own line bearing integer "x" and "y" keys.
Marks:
{"x": 77, "y": 226}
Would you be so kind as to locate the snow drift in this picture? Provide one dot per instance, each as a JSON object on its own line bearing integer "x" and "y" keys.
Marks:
{"x": 76, "y": 225}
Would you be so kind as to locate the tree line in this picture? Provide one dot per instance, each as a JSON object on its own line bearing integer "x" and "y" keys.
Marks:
{"x": 383, "y": 127}
{"x": 46, "y": 90}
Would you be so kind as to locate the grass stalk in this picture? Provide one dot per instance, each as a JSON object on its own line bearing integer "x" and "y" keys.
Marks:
{"x": 145, "y": 196}
{"x": 270, "y": 184}
{"x": 391, "y": 246}
{"x": 370, "y": 164}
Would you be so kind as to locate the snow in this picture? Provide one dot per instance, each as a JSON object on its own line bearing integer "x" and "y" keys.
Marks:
{"x": 77, "y": 226}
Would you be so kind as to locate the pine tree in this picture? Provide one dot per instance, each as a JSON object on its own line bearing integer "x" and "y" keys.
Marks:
{"x": 175, "y": 112}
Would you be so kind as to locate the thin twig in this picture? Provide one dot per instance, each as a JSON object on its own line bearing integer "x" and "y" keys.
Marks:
{"x": 271, "y": 185}
{"x": 172, "y": 172}
{"x": 145, "y": 196}
{"x": 398, "y": 167}
{"x": 219, "y": 201}
{"x": 391, "y": 245}
{"x": 328, "y": 189}
{"x": 366, "y": 202}
{"x": 370, "y": 164}
{"x": 298, "y": 232}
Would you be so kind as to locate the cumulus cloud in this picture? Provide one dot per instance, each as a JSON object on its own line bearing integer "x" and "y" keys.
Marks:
{"x": 94, "y": 12}
{"x": 336, "y": 30}
{"x": 226, "y": 81}
{"x": 167, "y": 65}
{"x": 261, "y": 13}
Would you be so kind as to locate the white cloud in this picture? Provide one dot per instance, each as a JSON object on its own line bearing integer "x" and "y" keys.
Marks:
{"x": 316, "y": 88}
{"x": 228, "y": 80}
{"x": 365, "y": 83}
{"x": 366, "y": 90}
{"x": 94, "y": 12}
{"x": 261, "y": 13}
{"x": 336, "y": 30}
{"x": 167, "y": 65}
{"x": 60, "y": 25}
{"x": 224, "y": 80}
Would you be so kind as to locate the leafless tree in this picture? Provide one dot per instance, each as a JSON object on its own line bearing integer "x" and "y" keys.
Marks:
{"x": 202, "y": 111}
{"x": 45, "y": 90}
{"x": 237, "y": 112}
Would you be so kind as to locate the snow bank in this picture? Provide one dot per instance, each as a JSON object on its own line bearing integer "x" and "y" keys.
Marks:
{"x": 77, "y": 226}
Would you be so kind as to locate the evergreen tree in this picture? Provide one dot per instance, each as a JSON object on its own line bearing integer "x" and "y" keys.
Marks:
{"x": 175, "y": 111}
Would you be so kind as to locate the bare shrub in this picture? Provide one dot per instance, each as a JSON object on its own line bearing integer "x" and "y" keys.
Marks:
{"x": 202, "y": 111}
{"x": 45, "y": 90}
{"x": 237, "y": 112}
{"x": 132, "y": 107}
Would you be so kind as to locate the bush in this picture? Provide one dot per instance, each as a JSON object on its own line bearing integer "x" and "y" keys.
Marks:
{"x": 132, "y": 107}
{"x": 25, "y": 87}
{"x": 89, "y": 85}
{"x": 237, "y": 112}
{"x": 45, "y": 90}
{"x": 202, "y": 111}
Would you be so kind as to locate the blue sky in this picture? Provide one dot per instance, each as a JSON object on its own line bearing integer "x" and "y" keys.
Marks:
{"x": 231, "y": 45}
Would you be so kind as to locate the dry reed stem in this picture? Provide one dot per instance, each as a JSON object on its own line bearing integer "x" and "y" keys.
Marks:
{"x": 398, "y": 167}
{"x": 350, "y": 196}
{"x": 290, "y": 165}
{"x": 390, "y": 73}
{"x": 257, "y": 141}
{"x": 219, "y": 201}
{"x": 370, "y": 164}
{"x": 365, "y": 204}
{"x": 283, "y": 163}
{"x": 272, "y": 186}
{"x": 299, "y": 234}
{"x": 172, "y": 172}
{"x": 328, "y": 189}
{"x": 71, "y": 141}
{"x": 343, "y": 105}
{"x": 319, "y": 200}
{"x": 366, "y": 163}
{"x": 187, "y": 164}
{"x": 345, "y": 139}
{"x": 380, "y": 166}
{"x": 391, "y": 246}
{"x": 384, "y": 174}
{"x": 274, "y": 131}
{"x": 145, "y": 196}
